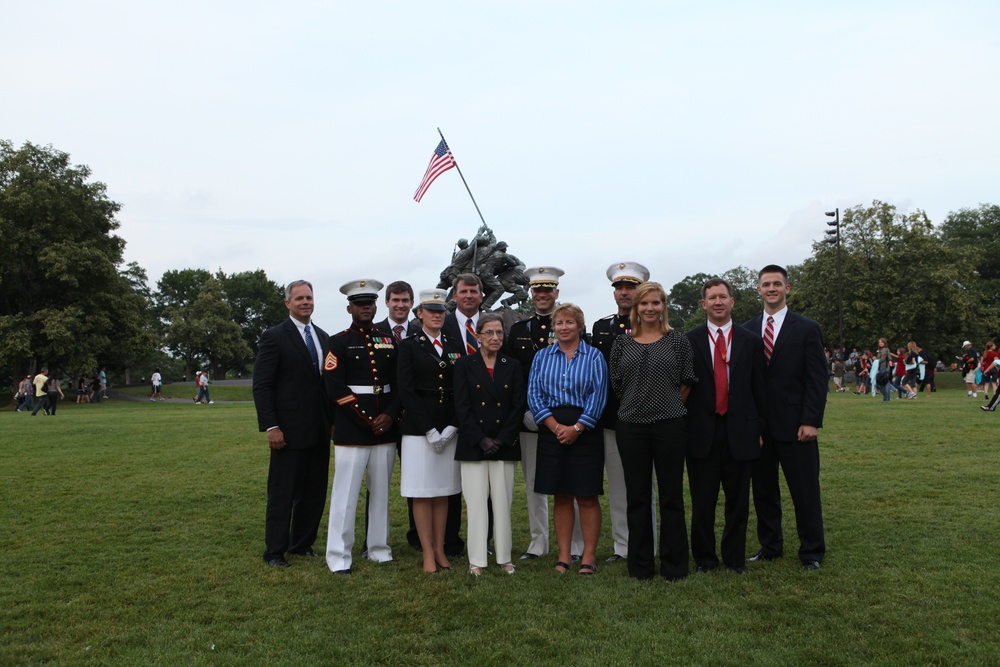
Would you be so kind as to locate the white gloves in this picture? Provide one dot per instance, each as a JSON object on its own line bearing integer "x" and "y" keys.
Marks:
{"x": 439, "y": 440}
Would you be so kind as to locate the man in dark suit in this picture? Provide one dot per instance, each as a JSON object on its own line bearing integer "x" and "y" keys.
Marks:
{"x": 399, "y": 303}
{"x": 796, "y": 399}
{"x": 725, "y": 418}
{"x": 292, "y": 408}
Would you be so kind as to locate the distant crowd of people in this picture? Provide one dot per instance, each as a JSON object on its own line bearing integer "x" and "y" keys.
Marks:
{"x": 462, "y": 397}
{"x": 42, "y": 392}
{"x": 910, "y": 371}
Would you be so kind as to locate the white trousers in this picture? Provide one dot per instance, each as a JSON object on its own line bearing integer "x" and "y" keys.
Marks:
{"x": 538, "y": 503}
{"x": 350, "y": 466}
{"x": 482, "y": 481}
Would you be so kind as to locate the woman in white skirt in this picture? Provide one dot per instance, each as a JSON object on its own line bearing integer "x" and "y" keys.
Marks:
{"x": 429, "y": 473}
{"x": 489, "y": 404}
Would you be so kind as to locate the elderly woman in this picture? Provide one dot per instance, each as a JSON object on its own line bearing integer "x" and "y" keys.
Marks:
{"x": 429, "y": 474}
{"x": 652, "y": 371}
{"x": 489, "y": 405}
{"x": 567, "y": 390}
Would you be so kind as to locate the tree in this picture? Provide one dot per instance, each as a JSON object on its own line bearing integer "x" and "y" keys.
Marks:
{"x": 684, "y": 302}
{"x": 978, "y": 230}
{"x": 63, "y": 300}
{"x": 901, "y": 282}
{"x": 256, "y": 303}
{"x": 201, "y": 330}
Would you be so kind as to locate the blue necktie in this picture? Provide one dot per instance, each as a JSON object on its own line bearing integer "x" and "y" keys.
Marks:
{"x": 312, "y": 348}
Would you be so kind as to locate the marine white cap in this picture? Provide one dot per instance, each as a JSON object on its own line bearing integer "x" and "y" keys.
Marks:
{"x": 432, "y": 299}
{"x": 543, "y": 276}
{"x": 365, "y": 289}
{"x": 628, "y": 272}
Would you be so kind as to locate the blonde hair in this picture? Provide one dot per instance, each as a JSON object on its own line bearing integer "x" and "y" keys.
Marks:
{"x": 573, "y": 311}
{"x": 637, "y": 296}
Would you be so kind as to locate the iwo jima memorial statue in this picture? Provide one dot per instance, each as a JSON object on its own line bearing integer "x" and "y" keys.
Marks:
{"x": 500, "y": 271}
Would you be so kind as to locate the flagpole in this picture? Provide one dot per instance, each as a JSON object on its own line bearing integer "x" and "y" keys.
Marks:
{"x": 464, "y": 183}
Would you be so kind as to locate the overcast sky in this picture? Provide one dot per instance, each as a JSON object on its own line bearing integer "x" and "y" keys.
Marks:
{"x": 687, "y": 136}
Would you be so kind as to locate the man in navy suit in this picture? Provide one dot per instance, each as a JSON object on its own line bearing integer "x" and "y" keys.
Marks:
{"x": 292, "y": 408}
{"x": 725, "y": 418}
{"x": 796, "y": 399}
{"x": 399, "y": 303}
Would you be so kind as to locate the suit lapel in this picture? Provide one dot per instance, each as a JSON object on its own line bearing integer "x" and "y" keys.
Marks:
{"x": 299, "y": 344}
{"x": 787, "y": 331}
{"x": 701, "y": 344}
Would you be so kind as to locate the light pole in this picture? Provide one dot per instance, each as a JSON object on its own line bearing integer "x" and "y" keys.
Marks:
{"x": 833, "y": 236}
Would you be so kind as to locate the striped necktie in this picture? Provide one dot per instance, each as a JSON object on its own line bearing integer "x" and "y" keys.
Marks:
{"x": 769, "y": 338}
{"x": 471, "y": 344}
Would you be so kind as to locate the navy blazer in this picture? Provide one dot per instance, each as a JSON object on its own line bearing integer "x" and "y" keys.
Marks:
{"x": 745, "y": 418}
{"x": 424, "y": 381}
{"x": 488, "y": 407}
{"x": 413, "y": 327}
{"x": 452, "y": 330}
{"x": 287, "y": 390}
{"x": 796, "y": 378}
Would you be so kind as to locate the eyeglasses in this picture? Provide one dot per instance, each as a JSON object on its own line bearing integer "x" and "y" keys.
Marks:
{"x": 491, "y": 334}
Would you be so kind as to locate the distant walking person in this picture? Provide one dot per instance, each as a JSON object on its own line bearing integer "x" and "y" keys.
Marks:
{"x": 203, "y": 395}
{"x": 53, "y": 392}
{"x": 41, "y": 399}
{"x": 796, "y": 400}
{"x": 156, "y": 381}
{"x": 27, "y": 391}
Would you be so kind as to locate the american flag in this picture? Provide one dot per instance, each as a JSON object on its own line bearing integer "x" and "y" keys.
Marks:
{"x": 441, "y": 162}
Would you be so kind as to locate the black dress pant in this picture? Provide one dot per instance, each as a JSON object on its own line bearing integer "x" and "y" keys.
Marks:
{"x": 296, "y": 497}
{"x": 799, "y": 462}
{"x": 705, "y": 476}
{"x": 661, "y": 446}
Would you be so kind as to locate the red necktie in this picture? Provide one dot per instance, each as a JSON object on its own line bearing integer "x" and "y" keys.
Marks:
{"x": 397, "y": 332}
{"x": 438, "y": 347}
{"x": 721, "y": 376}
{"x": 471, "y": 344}
{"x": 769, "y": 338}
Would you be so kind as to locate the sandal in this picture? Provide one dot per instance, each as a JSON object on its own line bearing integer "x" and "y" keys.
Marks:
{"x": 587, "y": 568}
{"x": 508, "y": 568}
{"x": 564, "y": 566}
{"x": 475, "y": 571}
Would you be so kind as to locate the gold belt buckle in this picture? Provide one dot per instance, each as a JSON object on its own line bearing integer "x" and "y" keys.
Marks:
{"x": 377, "y": 389}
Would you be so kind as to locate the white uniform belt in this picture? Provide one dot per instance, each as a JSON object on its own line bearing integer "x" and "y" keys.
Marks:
{"x": 369, "y": 389}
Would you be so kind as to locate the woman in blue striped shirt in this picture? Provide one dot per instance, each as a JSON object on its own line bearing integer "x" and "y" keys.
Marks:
{"x": 567, "y": 390}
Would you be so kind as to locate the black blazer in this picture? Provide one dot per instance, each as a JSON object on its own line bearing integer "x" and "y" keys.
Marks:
{"x": 425, "y": 384}
{"x": 745, "y": 419}
{"x": 287, "y": 390}
{"x": 796, "y": 379}
{"x": 488, "y": 407}
{"x": 452, "y": 330}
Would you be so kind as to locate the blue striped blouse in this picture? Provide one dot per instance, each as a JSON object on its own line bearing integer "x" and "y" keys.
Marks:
{"x": 582, "y": 382}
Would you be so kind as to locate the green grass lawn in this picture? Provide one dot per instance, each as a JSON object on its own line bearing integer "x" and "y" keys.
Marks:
{"x": 132, "y": 534}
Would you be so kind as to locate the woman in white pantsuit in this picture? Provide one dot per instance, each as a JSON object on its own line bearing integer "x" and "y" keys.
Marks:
{"x": 489, "y": 405}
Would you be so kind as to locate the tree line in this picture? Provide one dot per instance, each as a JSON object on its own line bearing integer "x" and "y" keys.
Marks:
{"x": 68, "y": 300}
